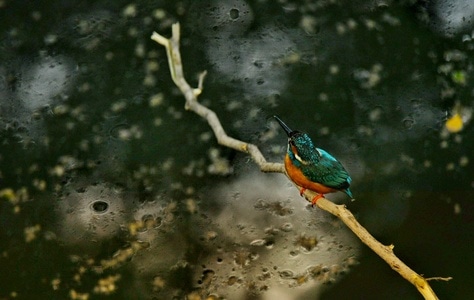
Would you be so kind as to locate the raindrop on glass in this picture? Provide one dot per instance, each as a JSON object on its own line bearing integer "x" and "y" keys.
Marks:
{"x": 234, "y": 14}
{"x": 287, "y": 274}
{"x": 408, "y": 123}
{"x": 287, "y": 227}
{"x": 100, "y": 206}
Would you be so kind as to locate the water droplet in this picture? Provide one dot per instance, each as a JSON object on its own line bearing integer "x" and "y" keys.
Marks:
{"x": 287, "y": 227}
{"x": 207, "y": 276}
{"x": 408, "y": 122}
{"x": 269, "y": 244}
{"x": 258, "y": 242}
{"x": 466, "y": 38}
{"x": 234, "y": 14}
{"x": 294, "y": 253}
{"x": 100, "y": 206}
{"x": 236, "y": 195}
{"x": 258, "y": 64}
{"x": 148, "y": 222}
{"x": 232, "y": 280}
{"x": 286, "y": 274}
{"x": 158, "y": 222}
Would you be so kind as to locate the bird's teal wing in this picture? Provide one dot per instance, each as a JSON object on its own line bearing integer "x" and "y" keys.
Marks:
{"x": 327, "y": 171}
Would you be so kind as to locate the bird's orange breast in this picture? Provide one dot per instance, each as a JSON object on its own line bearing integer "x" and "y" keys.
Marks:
{"x": 297, "y": 176}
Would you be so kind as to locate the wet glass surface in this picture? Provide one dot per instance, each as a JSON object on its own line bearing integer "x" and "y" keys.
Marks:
{"x": 109, "y": 188}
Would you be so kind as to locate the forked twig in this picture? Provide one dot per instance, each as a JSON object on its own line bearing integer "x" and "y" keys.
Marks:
{"x": 340, "y": 211}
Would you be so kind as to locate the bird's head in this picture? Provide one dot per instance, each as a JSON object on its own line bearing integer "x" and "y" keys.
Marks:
{"x": 300, "y": 145}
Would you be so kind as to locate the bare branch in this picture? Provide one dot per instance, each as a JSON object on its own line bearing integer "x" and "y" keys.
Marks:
{"x": 439, "y": 278}
{"x": 190, "y": 94}
{"x": 340, "y": 211}
{"x": 385, "y": 252}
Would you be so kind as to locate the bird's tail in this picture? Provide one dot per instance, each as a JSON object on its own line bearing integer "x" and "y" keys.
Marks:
{"x": 349, "y": 193}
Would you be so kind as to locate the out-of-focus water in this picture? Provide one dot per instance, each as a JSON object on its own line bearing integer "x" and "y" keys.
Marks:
{"x": 110, "y": 188}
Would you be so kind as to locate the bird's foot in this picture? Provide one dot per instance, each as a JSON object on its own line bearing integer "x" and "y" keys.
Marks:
{"x": 302, "y": 191}
{"x": 316, "y": 198}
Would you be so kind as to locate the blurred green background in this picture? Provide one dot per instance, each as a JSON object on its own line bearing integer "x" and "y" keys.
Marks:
{"x": 110, "y": 189}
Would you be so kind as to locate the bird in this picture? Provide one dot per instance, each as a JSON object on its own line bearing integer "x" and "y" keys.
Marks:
{"x": 313, "y": 168}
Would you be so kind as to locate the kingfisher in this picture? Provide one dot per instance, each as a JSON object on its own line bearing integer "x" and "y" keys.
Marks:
{"x": 313, "y": 168}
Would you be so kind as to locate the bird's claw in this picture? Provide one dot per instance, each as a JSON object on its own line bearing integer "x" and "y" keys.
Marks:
{"x": 316, "y": 198}
{"x": 302, "y": 191}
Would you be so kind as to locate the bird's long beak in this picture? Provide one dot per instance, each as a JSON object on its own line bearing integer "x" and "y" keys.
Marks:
{"x": 284, "y": 126}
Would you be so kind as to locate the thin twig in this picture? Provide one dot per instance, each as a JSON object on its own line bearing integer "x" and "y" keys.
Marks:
{"x": 340, "y": 211}
{"x": 439, "y": 278}
{"x": 190, "y": 94}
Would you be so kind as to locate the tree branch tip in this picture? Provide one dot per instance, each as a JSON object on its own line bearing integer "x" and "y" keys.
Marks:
{"x": 197, "y": 92}
{"x": 202, "y": 76}
{"x": 175, "y": 30}
{"x": 439, "y": 278}
{"x": 160, "y": 39}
